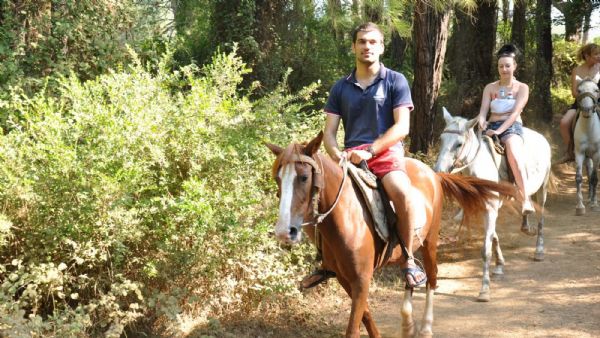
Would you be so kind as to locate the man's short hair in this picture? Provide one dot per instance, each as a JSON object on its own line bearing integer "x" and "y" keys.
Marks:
{"x": 366, "y": 27}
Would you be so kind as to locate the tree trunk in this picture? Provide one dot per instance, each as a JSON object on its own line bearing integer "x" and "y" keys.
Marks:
{"x": 519, "y": 24}
{"x": 505, "y": 11}
{"x": 398, "y": 46}
{"x": 518, "y": 34}
{"x": 543, "y": 74}
{"x": 471, "y": 56}
{"x": 430, "y": 37}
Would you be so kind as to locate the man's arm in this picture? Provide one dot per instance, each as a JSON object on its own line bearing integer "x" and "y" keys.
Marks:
{"x": 396, "y": 133}
{"x": 332, "y": 124}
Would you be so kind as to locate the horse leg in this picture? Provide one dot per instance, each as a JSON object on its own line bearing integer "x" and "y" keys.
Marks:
{"x": 499, "y": 269}
{"x": 367, "y": 318}
{"x": 486, "y": 252}
{"x": 580, "y": 208}
{"x": 430, "y": 261}
{"x": 539, "y": 245}
{"x": 408, "y": 324}
{"x": 593, "y": 178}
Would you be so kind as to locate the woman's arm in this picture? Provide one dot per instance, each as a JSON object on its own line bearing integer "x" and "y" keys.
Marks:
{"x": 485, "y": 106}
{"x": 574, "y": 82}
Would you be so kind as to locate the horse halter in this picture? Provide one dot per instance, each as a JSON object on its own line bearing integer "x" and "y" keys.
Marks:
{"x": 595, "y": 108}
{"x": 318, "y": 184}
{"x": 459, "y": 165}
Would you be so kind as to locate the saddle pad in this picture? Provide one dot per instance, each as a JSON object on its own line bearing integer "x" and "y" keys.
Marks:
{"x": 493, "y": 150}
{"x": 373, "y": 200}
{"x": 498, "y": 155}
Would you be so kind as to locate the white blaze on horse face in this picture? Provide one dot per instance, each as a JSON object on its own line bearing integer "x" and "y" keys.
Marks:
{"x": 287, "y": 176}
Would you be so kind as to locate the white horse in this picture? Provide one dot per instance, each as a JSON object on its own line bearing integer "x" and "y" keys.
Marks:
{"x": 464, "y": 150}
{"x": 586, "y": 138}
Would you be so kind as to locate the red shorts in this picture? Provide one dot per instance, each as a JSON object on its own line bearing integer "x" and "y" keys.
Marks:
{"x": 390, "y": 160}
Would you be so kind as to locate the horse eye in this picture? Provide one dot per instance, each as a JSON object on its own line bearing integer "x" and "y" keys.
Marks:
{"x": 458, "y": 145}
{"x": 303, "y": 178}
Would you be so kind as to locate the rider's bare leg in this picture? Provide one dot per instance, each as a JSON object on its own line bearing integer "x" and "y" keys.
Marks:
{"x": 409, "y": 206}
{"x": 516, "y": 158}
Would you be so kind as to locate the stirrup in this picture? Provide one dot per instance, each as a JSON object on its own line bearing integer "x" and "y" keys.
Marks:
{"x": 323, "y": 275}
{"x": 412, "y": 271}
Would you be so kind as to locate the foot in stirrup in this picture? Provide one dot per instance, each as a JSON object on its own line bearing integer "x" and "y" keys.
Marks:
{"x": 317, "y": 277}
{"x": 413, "y": 274}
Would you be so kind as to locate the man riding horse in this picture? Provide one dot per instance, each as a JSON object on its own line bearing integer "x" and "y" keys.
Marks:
{"x": 374, "y": 104}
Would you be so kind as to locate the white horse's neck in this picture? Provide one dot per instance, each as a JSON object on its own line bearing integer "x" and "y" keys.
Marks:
{"x": 483, "y": 164}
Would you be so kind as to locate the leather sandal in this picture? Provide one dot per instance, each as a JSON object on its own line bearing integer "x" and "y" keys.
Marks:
{"x": 317, "y": 277}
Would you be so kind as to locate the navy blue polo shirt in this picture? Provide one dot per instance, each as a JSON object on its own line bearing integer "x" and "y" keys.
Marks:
{"x": 367, "y": 114}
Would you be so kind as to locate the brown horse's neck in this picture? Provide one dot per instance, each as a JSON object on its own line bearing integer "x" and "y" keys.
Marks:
{"x": 332, "y": 177}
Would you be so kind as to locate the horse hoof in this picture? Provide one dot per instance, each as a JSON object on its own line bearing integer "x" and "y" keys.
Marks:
{"x": 538, "y": 256}
{"x": 484, "y": 297}
{"x": 426, "y": 334}
{"x": 579, "y": 211}
{"x": 408, "y": 329}
{"x": 595, "y": 208}
{"x": 498, "y": 271}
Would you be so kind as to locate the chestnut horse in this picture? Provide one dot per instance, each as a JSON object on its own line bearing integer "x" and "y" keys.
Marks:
{"x": 314, "y": 191}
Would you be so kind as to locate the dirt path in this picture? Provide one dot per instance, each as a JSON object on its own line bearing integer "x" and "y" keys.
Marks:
{"x": 559, "y": 297}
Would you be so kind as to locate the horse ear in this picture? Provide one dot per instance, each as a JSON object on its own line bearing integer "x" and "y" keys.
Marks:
{"x": 275, "y": 149}
{"x": 447, "y": 116}
{"x": 313, "y": 146}
{"x": 471, "y": 123}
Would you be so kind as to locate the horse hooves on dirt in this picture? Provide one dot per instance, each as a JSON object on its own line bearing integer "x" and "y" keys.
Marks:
{"x": 579, "y": 211}
{"x": 484, "y": 297}
{"x": 538, "y": 257}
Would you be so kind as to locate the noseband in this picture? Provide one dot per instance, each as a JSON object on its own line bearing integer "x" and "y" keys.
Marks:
{"x": 317, "y": 186}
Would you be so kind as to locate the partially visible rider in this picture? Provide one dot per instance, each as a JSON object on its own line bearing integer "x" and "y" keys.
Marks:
{"x": 589, "y": 56}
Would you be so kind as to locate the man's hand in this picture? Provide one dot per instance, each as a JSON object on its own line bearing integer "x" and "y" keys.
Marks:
{"x": 356, "y": 156}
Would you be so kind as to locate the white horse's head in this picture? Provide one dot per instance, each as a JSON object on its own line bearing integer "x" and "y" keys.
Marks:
{"x": 455, "y": 139}
{"x": 587, "y": 96}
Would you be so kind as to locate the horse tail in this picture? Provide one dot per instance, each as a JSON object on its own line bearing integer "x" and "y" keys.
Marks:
{"x": 472, "y": 193}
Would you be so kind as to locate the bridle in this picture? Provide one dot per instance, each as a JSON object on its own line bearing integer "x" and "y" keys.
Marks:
{"x": 459, "y": 165}
{"x": 595, "y": 108}
{"x": 317, "y": 186}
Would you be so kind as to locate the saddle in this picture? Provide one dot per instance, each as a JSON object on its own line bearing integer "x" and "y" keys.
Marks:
{"x": 498, "y": 154}
{"x": 384, "y": 217}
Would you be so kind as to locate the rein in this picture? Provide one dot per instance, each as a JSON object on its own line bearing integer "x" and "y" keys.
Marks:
{"x": 318, "y": 185}
{"x": 458, "y": 162}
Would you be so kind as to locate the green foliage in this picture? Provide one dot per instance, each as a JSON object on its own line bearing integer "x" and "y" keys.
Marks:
{"x": 41, "y": 38}
{"x": 142, "y": 194}
{"x": 564, "y": 60}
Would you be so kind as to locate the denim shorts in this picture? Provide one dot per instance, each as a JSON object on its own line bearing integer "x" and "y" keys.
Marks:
{"x": 515, "y": 129}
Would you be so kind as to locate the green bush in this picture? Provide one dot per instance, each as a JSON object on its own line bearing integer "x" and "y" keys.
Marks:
{"x": 142, "y": 194}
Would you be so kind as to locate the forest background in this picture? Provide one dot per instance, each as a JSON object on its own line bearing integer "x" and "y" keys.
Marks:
{"x": 135, "y": 187}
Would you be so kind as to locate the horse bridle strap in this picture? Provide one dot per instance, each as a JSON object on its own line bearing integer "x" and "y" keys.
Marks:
{"x": 319, "y": 217}
{"x": 457, "y": 162}
{"x": 596, "y": 108}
